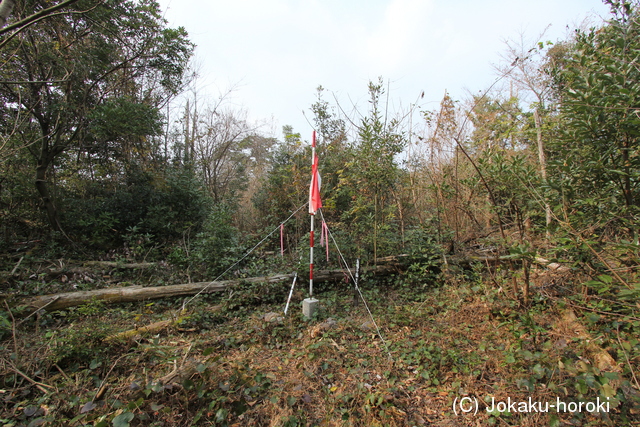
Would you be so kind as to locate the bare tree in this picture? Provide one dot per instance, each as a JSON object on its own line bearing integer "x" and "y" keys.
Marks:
{"x": 218, "y": 151}
{"x": 526, "y": 75}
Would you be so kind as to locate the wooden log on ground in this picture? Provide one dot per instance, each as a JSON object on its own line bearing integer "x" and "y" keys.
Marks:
{"x": 139, "y": 293}
{"x": 124, "y": 265}
{"x": 153, "y": 328}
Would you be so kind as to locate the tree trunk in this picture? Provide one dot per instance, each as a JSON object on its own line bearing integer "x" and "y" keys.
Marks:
{"x": 45, "y": 195}
{"x": 543, "y": 166}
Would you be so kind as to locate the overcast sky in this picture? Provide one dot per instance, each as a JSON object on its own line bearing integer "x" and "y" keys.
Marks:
{"x": 277, "y": 52}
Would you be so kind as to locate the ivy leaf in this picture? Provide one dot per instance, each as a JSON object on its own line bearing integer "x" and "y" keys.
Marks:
{"x": 608, "y": 391}
{"x": 123, "y": 419}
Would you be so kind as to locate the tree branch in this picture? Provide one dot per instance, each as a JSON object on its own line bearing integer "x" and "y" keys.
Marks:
{"x": 6, "y": 7}
{"x": 36, "y": 16}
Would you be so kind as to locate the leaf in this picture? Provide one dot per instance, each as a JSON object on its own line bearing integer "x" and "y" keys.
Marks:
{"x": 608, "y": 391}
{"x": 123, "y": 419}
{"x": 155, "y": 407}
{"x": 221, "y": 415}
{"x": 604, "y": 278}
{"x": 87, "y": 407}
{"x": 31, "y": 411}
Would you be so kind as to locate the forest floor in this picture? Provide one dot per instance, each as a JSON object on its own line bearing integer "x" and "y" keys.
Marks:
{"x": 445, "y": 356}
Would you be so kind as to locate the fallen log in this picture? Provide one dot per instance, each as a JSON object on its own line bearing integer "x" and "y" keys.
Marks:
{"x": 123, "y": 265}
{"x": 152, "y": 328}
{"x": 60, "y": 301}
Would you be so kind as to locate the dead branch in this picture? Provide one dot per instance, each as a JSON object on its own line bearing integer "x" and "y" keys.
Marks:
{"x": 180, "y": 374}
{"x": 42, "y": 387}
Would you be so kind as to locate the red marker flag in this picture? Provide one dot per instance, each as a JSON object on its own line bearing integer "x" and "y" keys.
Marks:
{"x": 314, "y": 190}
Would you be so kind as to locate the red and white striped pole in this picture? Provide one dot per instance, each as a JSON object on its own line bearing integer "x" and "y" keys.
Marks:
{"x": 311, "y": 232}
{"x": 310, "y": 304}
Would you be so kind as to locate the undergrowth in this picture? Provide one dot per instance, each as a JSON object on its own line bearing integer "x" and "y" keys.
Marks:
{"x": 442, "y": 337}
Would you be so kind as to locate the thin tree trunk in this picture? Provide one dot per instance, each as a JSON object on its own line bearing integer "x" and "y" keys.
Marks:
{"x": 543, "y": 166}
{"x": 187, "y": 129}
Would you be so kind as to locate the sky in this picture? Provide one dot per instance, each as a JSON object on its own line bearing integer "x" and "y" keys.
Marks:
{"x": 273, "y": 54}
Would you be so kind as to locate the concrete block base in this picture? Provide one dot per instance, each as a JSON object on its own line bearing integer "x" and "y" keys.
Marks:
{"x": 309, "y": 307}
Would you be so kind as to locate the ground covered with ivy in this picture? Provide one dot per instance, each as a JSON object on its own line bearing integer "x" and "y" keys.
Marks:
{"x": 443, "y": 347}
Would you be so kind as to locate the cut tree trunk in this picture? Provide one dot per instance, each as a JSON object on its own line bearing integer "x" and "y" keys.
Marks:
{"x": 139, "y": 293}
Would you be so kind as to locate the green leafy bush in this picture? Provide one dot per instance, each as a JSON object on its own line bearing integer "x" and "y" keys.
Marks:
{"x": 160, "y": 206}
{"x": 217, "y": 246}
